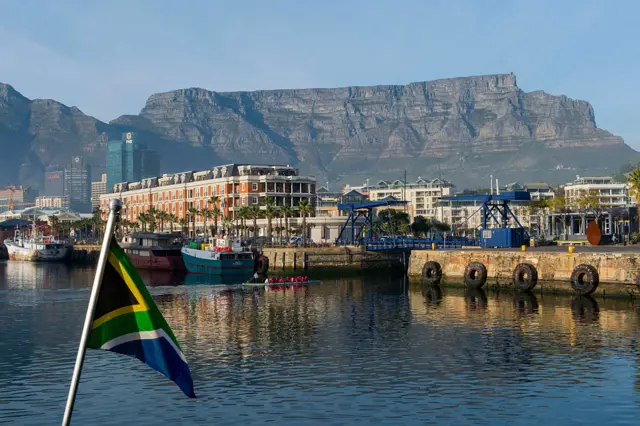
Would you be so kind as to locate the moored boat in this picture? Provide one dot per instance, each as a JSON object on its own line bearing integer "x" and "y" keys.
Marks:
{"x": 221, "y": 256}
{"x": 42, "y": 248}
{"x": 154, "y": 250}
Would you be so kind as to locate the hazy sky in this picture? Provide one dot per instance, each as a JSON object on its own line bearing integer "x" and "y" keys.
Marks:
{"x": 107, "y": 57}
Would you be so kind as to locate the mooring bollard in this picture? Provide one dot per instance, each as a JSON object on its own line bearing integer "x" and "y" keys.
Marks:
{"x": 524, "y": 248}
{"x": 433, "y": 246}
{"x": 571, "y": 249}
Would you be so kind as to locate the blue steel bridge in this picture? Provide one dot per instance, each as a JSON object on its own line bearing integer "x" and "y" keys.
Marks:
{"x": 500, "y": 226}
{"x": 358, "y": 229}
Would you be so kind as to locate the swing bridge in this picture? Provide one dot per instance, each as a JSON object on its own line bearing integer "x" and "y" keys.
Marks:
{"x": 500, "y": 227}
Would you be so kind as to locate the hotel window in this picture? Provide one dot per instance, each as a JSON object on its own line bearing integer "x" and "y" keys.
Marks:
{"x": 254, "y": 187}
{"x": 254, "y": 200}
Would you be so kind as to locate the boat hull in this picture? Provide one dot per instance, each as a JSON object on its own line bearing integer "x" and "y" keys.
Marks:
{"x": 197, "y": 262}
{"x": 37, "y": 255}
{"x": 172, "y": 262}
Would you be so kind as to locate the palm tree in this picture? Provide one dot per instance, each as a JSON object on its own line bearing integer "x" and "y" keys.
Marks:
{"x": 227, "y": 224}
{"x": 206, "y": 214}
{"x": 184, "y": 223}
{"x": 286, "y": 212}
{"x": 634, "y": 183}
{"x": 279, "y": 227}
{"x": 305, "y": 208}
{"x": 162, "y": 217}
{"x": 172, "y": 219}
{"x": 193, "y": 212}
{"x": 143, "y": 219}
{"x": 214, "y": 200}
{"x": 243, "y": 214}
{"x": 269, "y": 213}
{"x": 254, "y": 213}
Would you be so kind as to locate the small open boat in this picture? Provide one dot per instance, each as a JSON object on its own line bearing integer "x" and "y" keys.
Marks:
{"x": 284, "y": 284}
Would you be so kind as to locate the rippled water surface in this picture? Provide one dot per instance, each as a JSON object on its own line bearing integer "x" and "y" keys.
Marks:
{"x": 347, "y": 351}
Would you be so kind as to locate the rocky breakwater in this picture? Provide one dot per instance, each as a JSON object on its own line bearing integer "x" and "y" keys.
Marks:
{"x": 619, "y": 273}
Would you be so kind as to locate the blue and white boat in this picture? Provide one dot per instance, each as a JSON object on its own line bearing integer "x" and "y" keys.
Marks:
{"x": 221, "y": 256}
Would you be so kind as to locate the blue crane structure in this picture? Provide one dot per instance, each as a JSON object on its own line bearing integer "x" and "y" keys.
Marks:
{"x": 496, "y": 212}
{"x": 356, "y": 211}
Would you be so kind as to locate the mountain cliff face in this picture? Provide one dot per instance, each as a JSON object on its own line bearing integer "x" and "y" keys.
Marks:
{"x": 36, "y": 133}
{"x": 463, "y": 129}
{"x": 472, "y": 124}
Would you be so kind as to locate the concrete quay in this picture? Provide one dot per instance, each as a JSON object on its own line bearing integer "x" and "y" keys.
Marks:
{"x": 312, "y": 258}
{"x": 618, "y": 267}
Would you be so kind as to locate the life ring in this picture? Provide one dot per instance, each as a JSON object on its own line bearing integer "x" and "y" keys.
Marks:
{"x": 261, "y": 265}
{"x": 475, "y": 275}
{"x": 431, "y": 273}
{"x": 525, "y": 277}
{"x": 585, "y": 279}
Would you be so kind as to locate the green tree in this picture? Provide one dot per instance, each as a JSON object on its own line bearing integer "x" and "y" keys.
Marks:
{"x": 421, "y": 226}
{"x": 391, "y": 221}
{"x": 184, "y": 224}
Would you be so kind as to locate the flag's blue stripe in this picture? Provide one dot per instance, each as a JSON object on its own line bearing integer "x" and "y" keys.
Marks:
{"x": 162, "y": 357}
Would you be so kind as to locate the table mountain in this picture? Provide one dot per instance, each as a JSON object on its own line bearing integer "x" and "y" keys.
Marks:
{"x": 462, "y": 128}
{"x": 467, "y": 128}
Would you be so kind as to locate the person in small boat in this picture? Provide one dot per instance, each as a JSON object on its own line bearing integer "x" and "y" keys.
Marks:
{"x": 256, "y": 277}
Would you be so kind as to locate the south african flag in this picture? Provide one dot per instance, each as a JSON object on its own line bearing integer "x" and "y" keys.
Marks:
{"x": 127, "y": 321}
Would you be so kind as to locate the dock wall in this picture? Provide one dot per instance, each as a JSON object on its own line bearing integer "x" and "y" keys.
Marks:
{"x": 329, "y": 257}
{"x": 614, "y": 268}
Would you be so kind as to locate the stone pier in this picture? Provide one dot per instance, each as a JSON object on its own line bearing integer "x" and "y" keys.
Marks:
{"x": 618, "y": 271}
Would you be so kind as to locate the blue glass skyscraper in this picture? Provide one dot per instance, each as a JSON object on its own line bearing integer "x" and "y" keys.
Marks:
{"x": 129, "y": 160}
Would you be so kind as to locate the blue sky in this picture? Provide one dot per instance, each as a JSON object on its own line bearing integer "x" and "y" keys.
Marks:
{"x": 107, "y": 57}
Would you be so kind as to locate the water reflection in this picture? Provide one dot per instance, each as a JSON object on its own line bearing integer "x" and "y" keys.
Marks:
{"x": 347, "y": 351}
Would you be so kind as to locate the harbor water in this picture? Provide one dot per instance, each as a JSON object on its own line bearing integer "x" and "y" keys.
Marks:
{"x": 363, "y": 350}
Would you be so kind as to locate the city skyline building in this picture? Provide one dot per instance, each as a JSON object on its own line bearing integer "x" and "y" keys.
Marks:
{"x": 77, "y": 185}
{"x": 98, "y": 188}
{"x": 54, "y": 181}
{"x": 130, "y": 160}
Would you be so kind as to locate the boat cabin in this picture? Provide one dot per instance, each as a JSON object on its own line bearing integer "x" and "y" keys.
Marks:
{"x": 161, "y": 243}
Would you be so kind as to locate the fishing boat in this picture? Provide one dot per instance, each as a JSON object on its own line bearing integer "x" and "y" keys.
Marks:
{"x": 154, "y": 250}
{"x": 41, "y": 248}
{"x": 220, "y": 256}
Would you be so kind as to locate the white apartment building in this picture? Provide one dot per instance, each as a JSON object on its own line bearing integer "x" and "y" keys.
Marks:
{"x": 610, "y": 193}
{"x": 422, "y": 195}
{"x": 55, "y": 202}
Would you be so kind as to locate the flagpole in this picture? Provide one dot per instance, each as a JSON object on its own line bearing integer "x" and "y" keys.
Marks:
{"x": 114, "y": 207}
